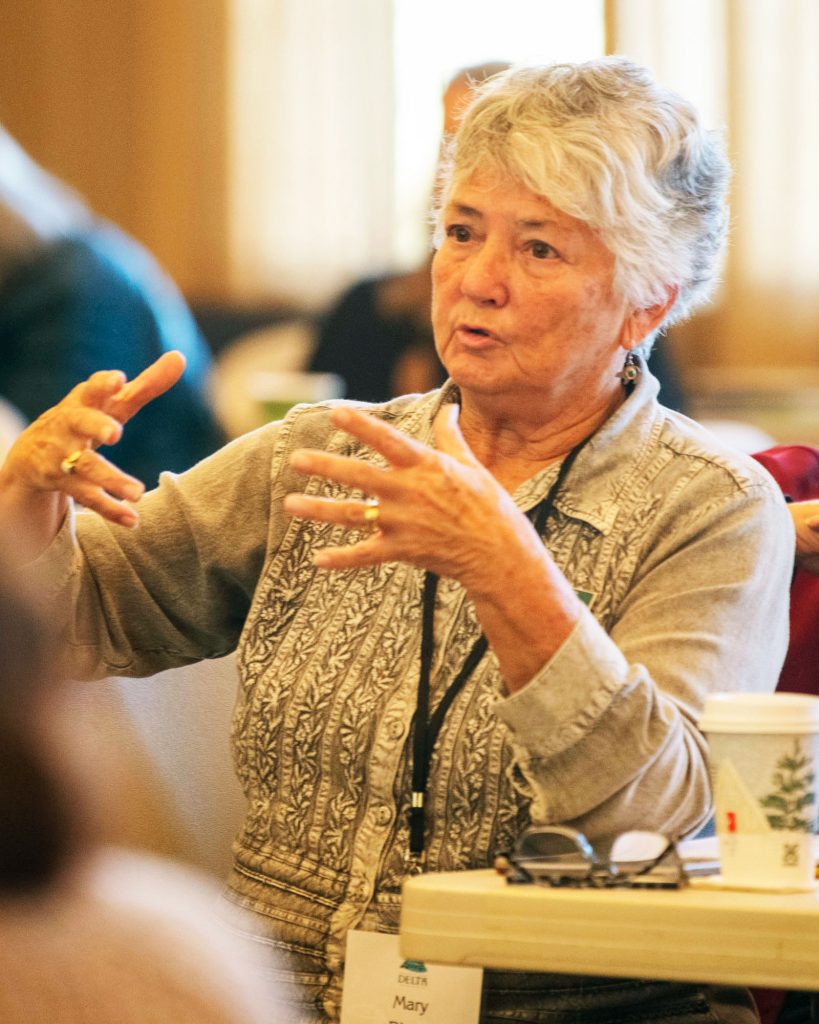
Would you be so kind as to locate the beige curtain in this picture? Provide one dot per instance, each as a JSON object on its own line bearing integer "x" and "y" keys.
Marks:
{"x": 310, "y": 191}
{"x": 751, "y": 65}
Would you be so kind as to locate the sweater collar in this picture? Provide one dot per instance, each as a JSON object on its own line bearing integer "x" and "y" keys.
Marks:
{"x": 604, "y": 469}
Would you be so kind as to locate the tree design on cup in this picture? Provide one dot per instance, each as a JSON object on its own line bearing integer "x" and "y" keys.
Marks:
{"x": 794, "y": 793}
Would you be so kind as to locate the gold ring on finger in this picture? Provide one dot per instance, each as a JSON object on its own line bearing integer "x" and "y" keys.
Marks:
{"x": 372, "y": 510}
{"x": 69, "y": 463}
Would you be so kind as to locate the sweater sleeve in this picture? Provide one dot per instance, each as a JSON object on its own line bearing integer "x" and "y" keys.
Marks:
{"x": 608, "y": 727}
{"x": 177, "y": 588}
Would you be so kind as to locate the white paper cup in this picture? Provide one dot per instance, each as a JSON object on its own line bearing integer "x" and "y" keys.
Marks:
{"x": 763, "y": 752}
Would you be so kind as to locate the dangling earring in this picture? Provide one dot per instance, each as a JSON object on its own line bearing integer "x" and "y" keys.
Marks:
{"x": 630, "y": 371}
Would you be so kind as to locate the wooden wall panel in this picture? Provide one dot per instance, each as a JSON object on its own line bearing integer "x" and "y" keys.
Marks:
{"x": 127, "y": 102}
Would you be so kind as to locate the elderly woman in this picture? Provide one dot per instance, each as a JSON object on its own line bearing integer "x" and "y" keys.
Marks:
{"x": 554, "y": 565}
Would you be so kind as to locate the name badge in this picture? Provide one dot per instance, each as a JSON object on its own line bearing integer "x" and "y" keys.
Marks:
{"x": 382, "y": 987}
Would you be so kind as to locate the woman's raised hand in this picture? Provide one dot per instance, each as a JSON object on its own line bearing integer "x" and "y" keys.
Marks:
{"x": 56, "y": 455}
{"x": 436, "y": 508}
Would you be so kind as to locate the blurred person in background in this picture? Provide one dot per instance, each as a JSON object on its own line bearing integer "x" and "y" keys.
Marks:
{"x": 457, "y": 614}
{"x": 378, "y": 335}
{"x": 89, "y": 934}
{"x": 77, "y": 293}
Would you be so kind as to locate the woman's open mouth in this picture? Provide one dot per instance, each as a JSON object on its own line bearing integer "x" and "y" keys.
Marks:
{"x": 476, "y": 337}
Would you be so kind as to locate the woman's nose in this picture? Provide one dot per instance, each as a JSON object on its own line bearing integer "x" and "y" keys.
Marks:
{"x": 485, "y": 279}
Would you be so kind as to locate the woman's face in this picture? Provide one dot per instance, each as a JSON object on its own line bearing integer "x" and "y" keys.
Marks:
{"x": 523, "y": 298}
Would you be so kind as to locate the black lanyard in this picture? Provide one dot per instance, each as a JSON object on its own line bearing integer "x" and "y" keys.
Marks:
{"x": 425, "y": 729}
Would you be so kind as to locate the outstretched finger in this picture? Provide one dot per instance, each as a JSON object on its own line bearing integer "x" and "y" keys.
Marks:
{"x": 88, "y": 471}
{"x": 354, "y": 513}
{"x": 371, "y": 551}
{"x": 154, "y": 381}
{"x": 352, "y": 472}
{"x": 91, "y": 426}
{"x": 448, "y": 436}
{"x": 397, "y": 448}
{"x": 100, "y": 501}
{"x": 96, "y": 484}
{"x": 99, "y": 388}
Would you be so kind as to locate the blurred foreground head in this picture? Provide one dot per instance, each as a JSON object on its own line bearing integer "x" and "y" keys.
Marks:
{"x": 38, "y": 834}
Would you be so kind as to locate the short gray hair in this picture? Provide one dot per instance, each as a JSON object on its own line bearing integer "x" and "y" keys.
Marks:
{"x": 607, "y": 144}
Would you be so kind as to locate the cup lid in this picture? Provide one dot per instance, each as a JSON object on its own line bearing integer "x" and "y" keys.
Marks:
{"x": 760, "y": 713}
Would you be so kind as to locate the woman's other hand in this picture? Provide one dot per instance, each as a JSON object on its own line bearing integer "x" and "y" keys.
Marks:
{"x": 441, "y": 510}
{"x": 56, "y": 458}
{"x": 437, "y": 508}
{"x": 805, "y": 515}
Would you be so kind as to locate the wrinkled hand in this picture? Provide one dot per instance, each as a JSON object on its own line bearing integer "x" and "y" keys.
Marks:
{"x": 92, "y": 414}
{"x": 805, "y": 515}
{"x": 439, "y": 509}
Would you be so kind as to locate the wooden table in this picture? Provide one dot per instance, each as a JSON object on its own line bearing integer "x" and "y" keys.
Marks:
{"x": 474, "y": 918}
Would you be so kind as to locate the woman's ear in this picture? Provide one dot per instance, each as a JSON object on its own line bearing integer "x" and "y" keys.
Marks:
{"x": 641, "y": 322}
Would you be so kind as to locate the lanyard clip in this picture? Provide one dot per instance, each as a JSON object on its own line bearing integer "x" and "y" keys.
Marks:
{"x": 414, "y": 857}
{"x": 415, "y": 863}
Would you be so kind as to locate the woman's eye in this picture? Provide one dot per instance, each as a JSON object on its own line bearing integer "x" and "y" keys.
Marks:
{"x": 459, "y": 232}
{"x": 543, "y": 251}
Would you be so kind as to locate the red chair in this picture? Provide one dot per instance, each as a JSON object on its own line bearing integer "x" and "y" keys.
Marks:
{"x": 795, "y": 467}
